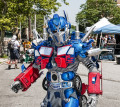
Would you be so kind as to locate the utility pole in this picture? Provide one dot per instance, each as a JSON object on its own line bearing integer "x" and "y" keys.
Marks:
{"x": 45, "y": 35}
{"x": 29, "y": 27}
{"x": 20, "y": 30}
{"x": 35, "y": 22}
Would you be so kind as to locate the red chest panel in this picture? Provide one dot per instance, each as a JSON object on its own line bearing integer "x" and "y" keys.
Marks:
{"x": 43, "y": 52}
{"x": 65, "y": 56}
{"x": 63, "y": 62}
{"x": 42, "y": 62}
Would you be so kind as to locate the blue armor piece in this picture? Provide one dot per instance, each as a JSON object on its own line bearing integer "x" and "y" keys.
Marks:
{"x": 48, "y": 76}
{"x": 72, "y": 103}
{"x": 73, "y": 36}
{"x": 68, "y": 76}
{"x": 56, "y": 21}
{"x": 78, "y": 45}
{"x": 23, "y": 68}
{"x": 81, "y": 47}
{"x": 68, "y": 92}
{"x": 59, "y": 26}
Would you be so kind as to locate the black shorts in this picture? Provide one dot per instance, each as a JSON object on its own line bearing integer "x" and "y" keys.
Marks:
{"x": 14, "y": 54}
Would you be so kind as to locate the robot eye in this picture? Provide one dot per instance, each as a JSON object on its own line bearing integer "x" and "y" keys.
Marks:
{"x": 62, "y": 29}
{"x": 55, "y": 31}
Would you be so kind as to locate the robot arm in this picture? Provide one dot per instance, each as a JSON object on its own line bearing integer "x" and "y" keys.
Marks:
{"x": 94, "y": 76}
{"x": 25, "y": 79}
{"x": 94, "y": 81}
{"x": 31, "y": 73}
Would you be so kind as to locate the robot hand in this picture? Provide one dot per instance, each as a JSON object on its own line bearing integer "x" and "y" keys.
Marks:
{"x": 16, "y": 86}
{"x": 92, "y": 101}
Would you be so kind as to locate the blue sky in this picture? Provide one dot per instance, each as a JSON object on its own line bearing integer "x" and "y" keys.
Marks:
{"x": 72, "y": 9}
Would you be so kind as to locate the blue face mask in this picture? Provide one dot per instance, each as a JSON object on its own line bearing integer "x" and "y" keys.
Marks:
{"x": 58, "y": 27}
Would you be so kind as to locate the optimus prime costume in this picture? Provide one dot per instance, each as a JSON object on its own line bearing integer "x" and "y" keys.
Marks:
{"x": 61, "y": 55}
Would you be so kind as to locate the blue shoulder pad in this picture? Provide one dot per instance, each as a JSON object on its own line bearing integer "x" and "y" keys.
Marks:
{"x": 78, "y": 46}
{"x": 81, "y": 47}
{"x": 81, "y": 35}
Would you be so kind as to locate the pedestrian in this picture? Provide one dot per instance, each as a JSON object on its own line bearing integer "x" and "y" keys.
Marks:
{"x": 26, "y": 45}
{"x": 112, "y": 40}
{"x": 13, "y": 47}
{"x": 105, "y": 41}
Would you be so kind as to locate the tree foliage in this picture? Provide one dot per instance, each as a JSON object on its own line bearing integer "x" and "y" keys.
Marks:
{"x": 93, "y": 10}
{"x": 14, "y": 11}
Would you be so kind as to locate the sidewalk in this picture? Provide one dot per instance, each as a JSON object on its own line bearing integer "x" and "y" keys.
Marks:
{"x": 3, "y": 60}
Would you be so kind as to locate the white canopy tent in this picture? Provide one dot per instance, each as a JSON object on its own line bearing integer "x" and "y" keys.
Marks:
{"x": 102, "y": 22}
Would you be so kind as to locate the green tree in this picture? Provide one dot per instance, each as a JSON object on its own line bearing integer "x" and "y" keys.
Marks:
{"x": 17, "y": 11}
{"x": 4, "y": 24}
{"x": 93, "y": 10}
{"x": 24, "y": 8}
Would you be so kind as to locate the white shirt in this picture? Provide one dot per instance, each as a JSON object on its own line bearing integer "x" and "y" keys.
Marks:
{"x": 16, "y": 44}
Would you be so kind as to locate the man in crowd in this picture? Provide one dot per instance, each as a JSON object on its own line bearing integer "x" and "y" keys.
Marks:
{"x": 13, "y": 47}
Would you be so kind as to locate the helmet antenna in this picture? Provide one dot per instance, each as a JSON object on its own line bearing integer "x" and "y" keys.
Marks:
{"x": 65, "y": 15}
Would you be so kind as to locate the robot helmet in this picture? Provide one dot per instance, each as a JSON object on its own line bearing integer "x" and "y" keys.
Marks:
{"x": 58, "y": 27}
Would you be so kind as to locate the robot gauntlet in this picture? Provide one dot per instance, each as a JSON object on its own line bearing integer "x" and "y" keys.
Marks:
{"x": 94, "y": 80}
{"x": 25, "y": 79}
{"x": 94, "y": 88}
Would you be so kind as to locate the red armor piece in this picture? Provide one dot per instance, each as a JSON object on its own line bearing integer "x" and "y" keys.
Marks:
{"x": 84, "y": 88}
{"x": 94, "y": 83}
{"x": 61, "y": 62}
{"x": 28, "y": 77}
{"x": 42, "y": 62}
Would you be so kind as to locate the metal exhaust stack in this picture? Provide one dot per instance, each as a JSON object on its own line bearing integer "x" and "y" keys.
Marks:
{"x": 77, "y": 32}
{"x": 87, "y": 34}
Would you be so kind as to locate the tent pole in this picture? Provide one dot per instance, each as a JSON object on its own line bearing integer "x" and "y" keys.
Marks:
{"x": 100, "y": 39}
{"x": 96, "y": 39}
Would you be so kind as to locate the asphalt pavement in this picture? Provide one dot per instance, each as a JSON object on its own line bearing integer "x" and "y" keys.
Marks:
{"x": 35, "y": 94}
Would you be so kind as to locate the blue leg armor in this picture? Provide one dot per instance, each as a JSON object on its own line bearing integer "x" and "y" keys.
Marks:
{"x": 72, "y": 103}
{"x": 71, "y": 95}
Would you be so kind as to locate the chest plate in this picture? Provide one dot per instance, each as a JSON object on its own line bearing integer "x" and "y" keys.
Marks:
{"x": 42, "y": 56}
{"x": 65, "y": 56}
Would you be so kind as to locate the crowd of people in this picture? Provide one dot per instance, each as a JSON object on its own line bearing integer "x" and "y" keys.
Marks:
{"x": 102, "y": 41}
{"x": 107, "y": 40}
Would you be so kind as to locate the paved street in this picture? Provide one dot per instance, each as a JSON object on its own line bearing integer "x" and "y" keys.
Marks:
{"x": 35, "y": 94}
